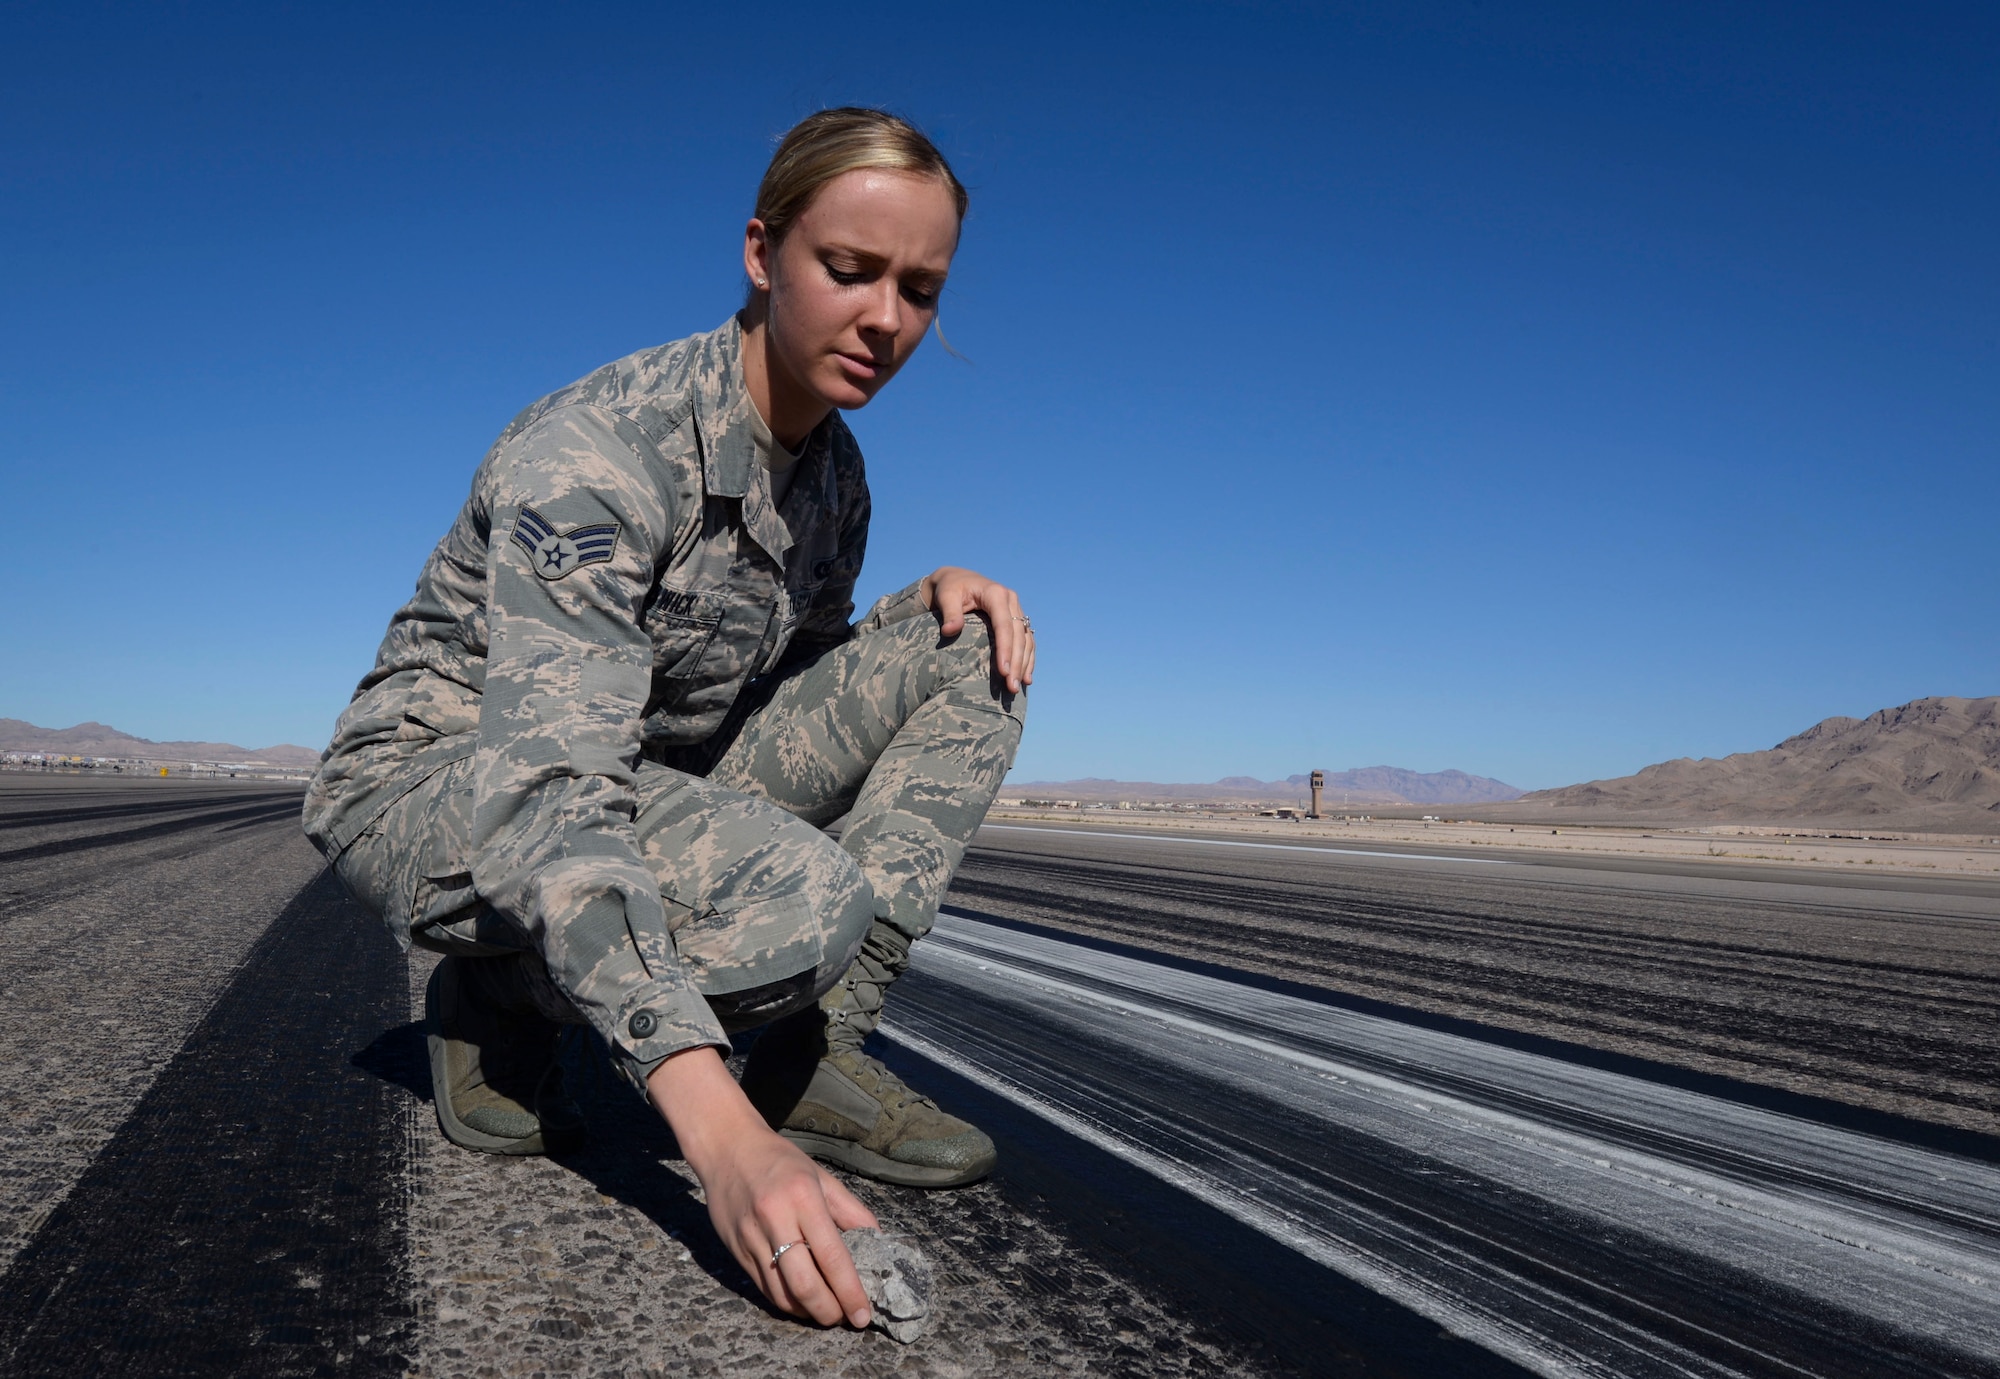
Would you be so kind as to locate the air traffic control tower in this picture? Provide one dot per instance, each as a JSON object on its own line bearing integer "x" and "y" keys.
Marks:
{"x": 1318, "y": 784}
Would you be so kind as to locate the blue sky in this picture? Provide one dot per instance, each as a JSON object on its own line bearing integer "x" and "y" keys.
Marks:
{"x": 1537, "y": 390}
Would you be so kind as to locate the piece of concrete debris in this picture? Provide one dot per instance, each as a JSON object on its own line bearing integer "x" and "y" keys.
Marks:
{"x": 898, "y": 1280}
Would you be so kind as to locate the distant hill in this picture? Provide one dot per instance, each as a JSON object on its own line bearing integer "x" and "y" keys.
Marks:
{"x": 1931, "y": 763}
{"x": 98, "y": 740}
{"x": 1364, "y": 785}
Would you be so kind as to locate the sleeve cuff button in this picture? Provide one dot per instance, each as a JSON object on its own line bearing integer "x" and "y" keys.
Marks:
{"x": 643, "y": 1024}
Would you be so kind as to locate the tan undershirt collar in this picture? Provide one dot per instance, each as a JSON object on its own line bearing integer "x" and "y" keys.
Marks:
{"x": 779, "y": 463}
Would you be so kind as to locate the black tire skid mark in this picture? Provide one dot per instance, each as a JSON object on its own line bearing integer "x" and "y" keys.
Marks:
{"x": 1597, "y": 996}
{"x": 247, "y": 1218}
{"x": 1648, "y": 1294}
{"x": 256, "y": 813}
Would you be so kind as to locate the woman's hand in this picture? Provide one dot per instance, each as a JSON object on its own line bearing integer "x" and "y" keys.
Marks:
{"x": 951, "y": 593}
{"x": 763, "y": 1192}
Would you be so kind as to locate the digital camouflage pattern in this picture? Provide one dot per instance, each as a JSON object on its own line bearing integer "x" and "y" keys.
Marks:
{"x": 523, "y": 768}
{"x": 907, "y": 734}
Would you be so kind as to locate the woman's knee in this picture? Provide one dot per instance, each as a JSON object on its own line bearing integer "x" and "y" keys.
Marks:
{"x": 841, "y": 923}
{"x": 372, "y": 873}
{"x": 780, "y": 931}
{"x": 961, "y": 663}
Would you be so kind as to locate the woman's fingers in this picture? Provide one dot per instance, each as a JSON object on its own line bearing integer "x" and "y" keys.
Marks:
{"x": 1006, "y": 645}
{"x": 836, "y": 1270}
{"x": 770, "y": 1204}
{"x": 801, "y": 1274}
{"x": 1024, "y": 655}
{"x": 945, "y": 593}
{"x": 815, "y": 1275}
{"x": 771, "y": 1278}
{"x": 1003, "y": 617}
{"x": 1003, "y": 614}
{"x": 1007, "y": 615}
{"x": 952, "y": 592}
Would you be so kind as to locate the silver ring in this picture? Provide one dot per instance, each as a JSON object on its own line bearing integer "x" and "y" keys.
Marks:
{"x": 782, "y": 1248}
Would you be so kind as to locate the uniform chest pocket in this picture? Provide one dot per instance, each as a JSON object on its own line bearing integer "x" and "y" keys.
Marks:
{"x": 828, "y": 567}
{"x": 806, "y": 575}
{"x": 682, "y": 623}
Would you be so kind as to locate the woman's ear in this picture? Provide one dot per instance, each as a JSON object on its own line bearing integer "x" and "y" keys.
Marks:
{"x": 757, "y": 254}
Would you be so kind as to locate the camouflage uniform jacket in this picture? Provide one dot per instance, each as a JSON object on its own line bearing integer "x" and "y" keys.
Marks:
{"x": 616, "y": 577}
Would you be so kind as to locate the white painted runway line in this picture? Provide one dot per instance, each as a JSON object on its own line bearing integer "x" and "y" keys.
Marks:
{"x": 1333, "y": 851}
{"x": 1904, "y": 1239}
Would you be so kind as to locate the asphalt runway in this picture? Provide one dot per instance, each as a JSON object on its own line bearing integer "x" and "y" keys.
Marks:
{"x": 1577, "y": 1220}
{"x": 1875, "y": 992}
{"x": 220, "y": 1159}
{"x": 1261, "y": 1112}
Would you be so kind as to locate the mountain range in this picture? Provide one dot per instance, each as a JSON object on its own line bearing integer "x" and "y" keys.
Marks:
{"x": 1930, "y": 763}
{"x": 99, "y": 740}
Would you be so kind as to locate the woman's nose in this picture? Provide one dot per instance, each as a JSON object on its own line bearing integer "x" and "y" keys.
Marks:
{"x": 883, "y": 316}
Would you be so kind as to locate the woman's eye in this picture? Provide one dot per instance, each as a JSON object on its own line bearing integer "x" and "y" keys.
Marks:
{"x": 920, "y": 297}
{"x": 845, "y": 277}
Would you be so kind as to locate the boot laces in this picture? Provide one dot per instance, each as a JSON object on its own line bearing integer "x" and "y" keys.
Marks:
{"x": 890, "y": 1090}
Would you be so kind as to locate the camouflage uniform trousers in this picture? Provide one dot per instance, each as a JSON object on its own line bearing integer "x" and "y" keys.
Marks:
{"x": 904, "y": 733}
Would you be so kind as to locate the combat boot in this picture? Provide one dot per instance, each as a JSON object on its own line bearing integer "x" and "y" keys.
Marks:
{"x": 496, "y": 1077}
{"x": 809, "y": 1079}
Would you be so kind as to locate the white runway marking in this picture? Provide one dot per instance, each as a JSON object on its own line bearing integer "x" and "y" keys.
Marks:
{"x": 1900, "y": 1240}
{"x": 1273, "y": 847}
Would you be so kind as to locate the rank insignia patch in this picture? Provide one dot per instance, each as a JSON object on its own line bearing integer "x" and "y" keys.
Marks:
{"x": 553, "y": 553}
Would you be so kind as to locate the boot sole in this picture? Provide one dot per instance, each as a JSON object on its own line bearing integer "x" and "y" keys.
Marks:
{"x": 849, "y": 1155}
{"x": 456, "y": 1130}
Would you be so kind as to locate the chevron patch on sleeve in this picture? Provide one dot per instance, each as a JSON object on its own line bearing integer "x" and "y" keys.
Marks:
{"x": 556, "y": 553}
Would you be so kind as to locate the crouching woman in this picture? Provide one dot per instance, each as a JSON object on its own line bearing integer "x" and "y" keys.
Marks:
{"x": 593, "y": 761}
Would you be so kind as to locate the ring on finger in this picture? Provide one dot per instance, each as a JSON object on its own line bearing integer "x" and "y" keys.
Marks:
{"x": 777, "y": 1253}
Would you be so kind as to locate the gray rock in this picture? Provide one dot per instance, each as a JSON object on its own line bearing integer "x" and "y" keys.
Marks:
{"x": 898, "y": 1280}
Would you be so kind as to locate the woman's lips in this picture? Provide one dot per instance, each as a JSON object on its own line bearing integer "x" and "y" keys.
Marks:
{"x": 862, "y": 368}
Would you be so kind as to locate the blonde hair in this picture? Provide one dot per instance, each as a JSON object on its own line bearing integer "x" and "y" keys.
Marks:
{"x": 821, "y": 147}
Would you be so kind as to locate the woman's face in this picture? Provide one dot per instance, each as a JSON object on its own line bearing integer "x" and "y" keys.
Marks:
{"x": 855, "y": 282}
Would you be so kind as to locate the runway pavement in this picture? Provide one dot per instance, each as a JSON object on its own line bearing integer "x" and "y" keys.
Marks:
{"x": 1260, "y": 1111}
{"x": 1877, "y": 992}
{"x": 1578, "y": 1220}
